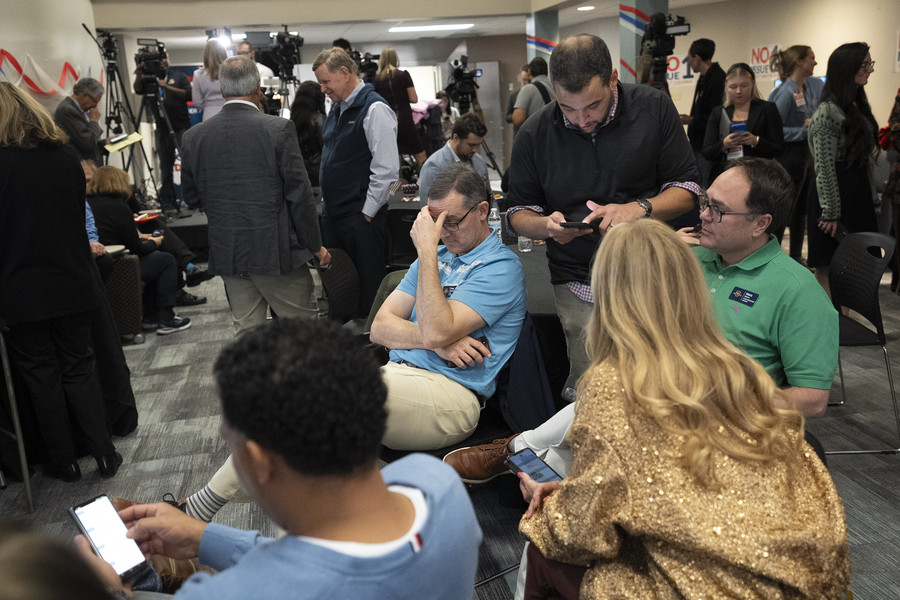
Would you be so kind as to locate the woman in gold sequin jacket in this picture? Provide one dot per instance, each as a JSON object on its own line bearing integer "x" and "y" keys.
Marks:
{"x": 688, "y": 480}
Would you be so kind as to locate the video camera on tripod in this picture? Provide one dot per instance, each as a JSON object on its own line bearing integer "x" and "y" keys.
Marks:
{"x": 658, "y": 43}
{"x": 366, "y": 65}
{"x": 286, "y": 53}
{"x": 461, "y": 86}
{"x": 149, "y": 59}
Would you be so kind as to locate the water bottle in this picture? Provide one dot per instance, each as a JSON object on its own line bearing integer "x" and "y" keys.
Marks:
{"x": 494, "y": 223}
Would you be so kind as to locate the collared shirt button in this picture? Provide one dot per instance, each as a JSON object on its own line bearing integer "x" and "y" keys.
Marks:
{"x": 712, "y": 290}
{"x": 721, "y": 278}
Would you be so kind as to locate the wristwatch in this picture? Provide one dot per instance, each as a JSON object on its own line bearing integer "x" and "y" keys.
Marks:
{"x": 645, "y": 204}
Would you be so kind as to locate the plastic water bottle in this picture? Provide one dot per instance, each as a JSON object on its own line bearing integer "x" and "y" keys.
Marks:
{"x": 494, "y": 223}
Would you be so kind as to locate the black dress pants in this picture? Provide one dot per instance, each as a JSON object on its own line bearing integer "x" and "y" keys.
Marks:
{"x": 366, "y": 243}
{"x": 55, "y": 361}
{"x": 160, "y": 276}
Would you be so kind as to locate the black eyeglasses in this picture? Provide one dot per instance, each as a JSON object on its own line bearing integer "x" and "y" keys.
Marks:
{"x": 867, "y": 64}
{"x": 716, "y": 213}
{"x": 454, "y": 226}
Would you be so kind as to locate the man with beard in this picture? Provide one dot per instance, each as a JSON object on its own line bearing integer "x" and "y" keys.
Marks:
{"x": 463, "y": 146}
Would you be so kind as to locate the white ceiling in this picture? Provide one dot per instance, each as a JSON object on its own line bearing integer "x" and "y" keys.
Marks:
{"x": 376, "y": 32}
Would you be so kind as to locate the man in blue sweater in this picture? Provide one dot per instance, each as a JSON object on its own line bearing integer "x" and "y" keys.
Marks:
{"x": 353, "y": 530}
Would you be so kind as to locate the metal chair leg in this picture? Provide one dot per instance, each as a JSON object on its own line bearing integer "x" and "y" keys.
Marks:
{"x": 843, "y": 389}
{"x": 17, "y": 427}
{"x": 892, "y": 450}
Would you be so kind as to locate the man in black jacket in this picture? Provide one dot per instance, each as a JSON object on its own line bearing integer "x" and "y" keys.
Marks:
{"x": 176, "y": 90}
{"x": 602, "y": 151}
{"x": 709, "y": 93}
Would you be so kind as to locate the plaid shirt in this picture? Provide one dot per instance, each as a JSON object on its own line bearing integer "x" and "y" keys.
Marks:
{"x": 583, "y": 290}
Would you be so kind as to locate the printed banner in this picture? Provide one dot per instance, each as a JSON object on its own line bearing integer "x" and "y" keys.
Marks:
{"x": 759, "y": 62}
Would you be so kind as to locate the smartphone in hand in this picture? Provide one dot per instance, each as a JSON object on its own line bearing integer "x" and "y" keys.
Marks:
{"x": 528, "y": 462}
{"x": 483, "y": 339}
{"x": 98, "y": 520}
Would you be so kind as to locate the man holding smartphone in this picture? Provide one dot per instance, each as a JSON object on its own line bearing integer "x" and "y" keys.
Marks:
{"x": 353, "y": 530}
{"x": 602, "y": 150}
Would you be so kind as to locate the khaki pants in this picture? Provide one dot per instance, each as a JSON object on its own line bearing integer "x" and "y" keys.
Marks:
{"x": 426, "y": 410}
{"x": 290, "y": 296}
{"x": 573, "y": 315}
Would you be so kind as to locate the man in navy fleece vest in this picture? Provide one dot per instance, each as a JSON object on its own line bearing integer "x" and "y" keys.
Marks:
{"x": 359, "y": 162}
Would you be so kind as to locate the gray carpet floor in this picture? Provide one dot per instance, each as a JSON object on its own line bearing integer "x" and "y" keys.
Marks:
{"x": 177, "y": 447}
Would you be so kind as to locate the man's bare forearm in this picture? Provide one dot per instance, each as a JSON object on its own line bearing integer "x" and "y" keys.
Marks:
{"x": 433, "y": 312}
{"x": 530, "y": 224}
{"x": 395, "y": 333}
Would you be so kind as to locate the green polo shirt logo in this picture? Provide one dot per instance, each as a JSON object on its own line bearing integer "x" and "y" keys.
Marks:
{"x": 745, "y": 297}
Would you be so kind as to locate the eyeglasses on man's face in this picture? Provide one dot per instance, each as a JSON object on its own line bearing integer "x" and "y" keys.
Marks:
{"x": 867, "y": 64}
{"x": 452, "y": 226}
{"x": 715, "y": 212}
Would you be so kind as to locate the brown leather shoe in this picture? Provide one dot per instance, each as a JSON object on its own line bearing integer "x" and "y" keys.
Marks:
{"x": 479, "y": 464}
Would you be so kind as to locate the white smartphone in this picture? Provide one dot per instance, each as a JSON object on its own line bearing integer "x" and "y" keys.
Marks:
{"x": 101, "y": 525}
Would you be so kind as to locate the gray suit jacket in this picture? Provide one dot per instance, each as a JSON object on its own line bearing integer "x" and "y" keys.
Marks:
{"x": 84, "y": 135}
{"x": 245, "y": 168}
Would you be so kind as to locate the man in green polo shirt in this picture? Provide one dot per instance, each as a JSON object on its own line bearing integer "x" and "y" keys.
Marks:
{"x": 766, "y": 304}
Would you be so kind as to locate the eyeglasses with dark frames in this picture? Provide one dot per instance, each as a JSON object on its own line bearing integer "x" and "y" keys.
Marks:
{"x": 454, "y": 225}
{"x": 867, "y": 64}
{"x": 716, "y": 213}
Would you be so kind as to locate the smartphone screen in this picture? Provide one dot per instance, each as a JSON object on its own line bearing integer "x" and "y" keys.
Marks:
{"x": 528, "y": 462}
{"x": 101, "y": 525}
{"x": 738, "y": 128}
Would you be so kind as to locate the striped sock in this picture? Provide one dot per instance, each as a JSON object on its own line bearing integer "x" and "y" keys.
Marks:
{"x": 204, "y": 504}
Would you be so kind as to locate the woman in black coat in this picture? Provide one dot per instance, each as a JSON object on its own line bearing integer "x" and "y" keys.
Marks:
{"x": 764, "y": 136}
{"x": 48, "y": 283}
{"x": 108, "y": 192}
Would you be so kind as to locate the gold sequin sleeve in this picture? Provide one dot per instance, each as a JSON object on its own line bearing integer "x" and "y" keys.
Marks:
{"x": 577, "y": 523}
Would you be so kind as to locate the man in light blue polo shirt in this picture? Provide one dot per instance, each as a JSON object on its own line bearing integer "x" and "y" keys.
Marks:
{"x": 454, "y": 320}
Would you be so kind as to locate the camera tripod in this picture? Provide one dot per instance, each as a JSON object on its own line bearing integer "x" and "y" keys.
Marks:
{"x": 118, "y": 108}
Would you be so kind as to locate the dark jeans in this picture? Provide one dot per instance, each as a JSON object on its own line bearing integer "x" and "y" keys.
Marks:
{"x": 160, "y": 276}
{"x": 366, "y": 243}
{"x": 165, "y": 146}
{"x": 55, "y": 361}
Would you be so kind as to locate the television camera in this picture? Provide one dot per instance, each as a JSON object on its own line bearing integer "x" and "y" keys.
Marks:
{"x": 461, "y": 85}
{"x": 658, "y": 44}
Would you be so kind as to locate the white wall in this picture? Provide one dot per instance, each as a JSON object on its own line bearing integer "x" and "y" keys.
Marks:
{"x": 43, "y": 35}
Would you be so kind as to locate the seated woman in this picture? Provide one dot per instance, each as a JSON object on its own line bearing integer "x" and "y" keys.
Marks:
{"x": 108, "y": 191}
{"x": 762, "y": 135}
{"x": 687, "y": 480}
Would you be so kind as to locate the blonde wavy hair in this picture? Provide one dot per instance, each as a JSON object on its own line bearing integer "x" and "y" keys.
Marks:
{"x": 653, "y": 320}
{"x": 23, "y": 122}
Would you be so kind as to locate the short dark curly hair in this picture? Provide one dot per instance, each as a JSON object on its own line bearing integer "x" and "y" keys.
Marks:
{"x": 306, "y": 390}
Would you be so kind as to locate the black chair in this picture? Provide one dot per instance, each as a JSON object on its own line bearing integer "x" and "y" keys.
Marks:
{"x": 401, "y": 250}
{"x": 16, "y": 433}
{"x": 341, "y": 283}
{"x": 854, "y": 275}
